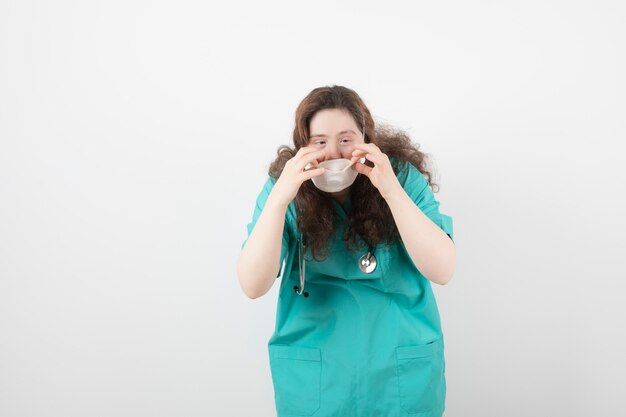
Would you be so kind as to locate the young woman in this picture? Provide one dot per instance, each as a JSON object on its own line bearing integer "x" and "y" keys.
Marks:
{"x": 357, "y": 326}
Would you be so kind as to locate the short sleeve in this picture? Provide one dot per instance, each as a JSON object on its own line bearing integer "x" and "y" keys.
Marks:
{"x": 417, "y": 187}
{"x": 260, "y": 203}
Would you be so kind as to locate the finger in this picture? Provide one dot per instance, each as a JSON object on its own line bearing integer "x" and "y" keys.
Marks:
{"x": 310, "y": 159}
{"x": 357, "y": 152}
{"x": 314, "y": 156}
{"x": 311, "y": 162}
{"x": 359, "y": 158}
{"x": 307, "y": 175}
{"x": 362, "y": 153}
{"x": 307, "y": 148}
{"x": 302, "y": 152}
{"x": 375, "y": 158}
{"x": 362, "y": 169}
{"x": 369, "y": 147}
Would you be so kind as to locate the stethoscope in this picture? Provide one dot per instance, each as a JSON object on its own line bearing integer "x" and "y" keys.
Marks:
{"x": 367, "y": 264}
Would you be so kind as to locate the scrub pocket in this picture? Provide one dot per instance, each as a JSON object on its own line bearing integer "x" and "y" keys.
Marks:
{"x": 296, "y": 374}
{"x": 421, "y": 380}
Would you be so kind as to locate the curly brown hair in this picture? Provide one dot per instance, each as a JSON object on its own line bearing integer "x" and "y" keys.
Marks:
{"x": 370, "y": 217}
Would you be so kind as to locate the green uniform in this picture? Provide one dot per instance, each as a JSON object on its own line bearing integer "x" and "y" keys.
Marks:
{"x": 360, "y": 345}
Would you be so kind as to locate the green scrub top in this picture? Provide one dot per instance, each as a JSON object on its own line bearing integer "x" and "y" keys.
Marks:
{"x": 360, "y": 345}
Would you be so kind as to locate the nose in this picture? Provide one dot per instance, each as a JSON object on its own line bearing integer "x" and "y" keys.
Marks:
{"x": 332, "y": 152}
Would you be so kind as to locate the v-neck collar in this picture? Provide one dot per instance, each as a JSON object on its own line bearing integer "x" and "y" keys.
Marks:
{"x": 344, "y": 209}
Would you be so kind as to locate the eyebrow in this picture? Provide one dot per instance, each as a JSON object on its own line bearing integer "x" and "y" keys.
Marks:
{"x": 340, "y": 133}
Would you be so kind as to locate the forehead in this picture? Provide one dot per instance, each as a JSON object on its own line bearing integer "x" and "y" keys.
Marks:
{"x": 332, "y": 121}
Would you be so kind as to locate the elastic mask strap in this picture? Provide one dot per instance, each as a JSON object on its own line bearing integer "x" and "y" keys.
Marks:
{"x": 363, "y": 127}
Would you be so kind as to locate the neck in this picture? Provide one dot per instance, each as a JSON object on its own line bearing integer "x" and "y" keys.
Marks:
{"x": 342, "y": 195}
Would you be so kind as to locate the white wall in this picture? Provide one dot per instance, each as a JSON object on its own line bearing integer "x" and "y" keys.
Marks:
{"x": 135, "y": 136}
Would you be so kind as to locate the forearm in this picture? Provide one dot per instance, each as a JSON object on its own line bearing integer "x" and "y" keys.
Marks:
{"x": 429, "y": 247}
{"x": 259, "y": 261}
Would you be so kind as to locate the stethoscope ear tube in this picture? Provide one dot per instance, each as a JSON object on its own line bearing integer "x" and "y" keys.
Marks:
{"x": 301, "y": 266}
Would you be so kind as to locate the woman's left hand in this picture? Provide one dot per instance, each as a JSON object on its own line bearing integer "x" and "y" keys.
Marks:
{"x": 381, "y": 175}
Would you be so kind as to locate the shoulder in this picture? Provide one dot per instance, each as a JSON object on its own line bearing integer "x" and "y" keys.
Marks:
{"x": 408, "y": 175}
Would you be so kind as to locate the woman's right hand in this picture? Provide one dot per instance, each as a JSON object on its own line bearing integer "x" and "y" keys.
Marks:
{"x": 294, "y": 173}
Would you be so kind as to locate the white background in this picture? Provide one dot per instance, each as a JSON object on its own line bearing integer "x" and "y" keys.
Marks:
{"x": 136, "y": 135}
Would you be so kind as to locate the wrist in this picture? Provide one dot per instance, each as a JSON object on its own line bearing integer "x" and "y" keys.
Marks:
{"x": 275, "y": 202}
{"x": 396, "y": 195}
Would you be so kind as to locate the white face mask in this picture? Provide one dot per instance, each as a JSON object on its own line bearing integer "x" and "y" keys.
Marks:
{"x": 333, "y": 180}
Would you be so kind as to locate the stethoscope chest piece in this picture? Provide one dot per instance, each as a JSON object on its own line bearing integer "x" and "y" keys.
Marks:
{"x": 367, "y": 263}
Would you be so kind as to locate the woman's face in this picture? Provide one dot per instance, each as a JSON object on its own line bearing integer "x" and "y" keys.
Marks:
{"x": 335, "y": 131}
